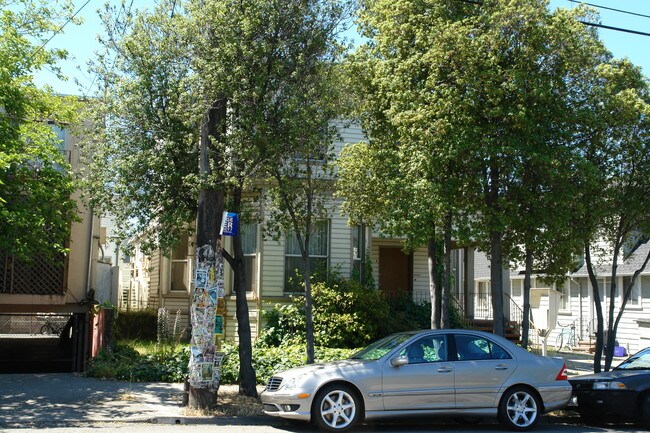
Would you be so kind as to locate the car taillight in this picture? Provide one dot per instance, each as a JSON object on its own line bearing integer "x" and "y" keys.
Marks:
{"x": 562, "y": 375}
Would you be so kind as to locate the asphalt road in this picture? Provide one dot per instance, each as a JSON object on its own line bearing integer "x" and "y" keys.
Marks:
{"x": 421, "y": 427}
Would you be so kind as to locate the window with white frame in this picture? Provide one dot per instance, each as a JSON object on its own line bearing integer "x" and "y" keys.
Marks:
{"x": 294, "y": 267}
{"x": 248, "y": 233}
{"x": 565, "y": 299}
{"x": 358, "y": 251}
{"x": 635, "y": 294}
{"x": 483, "y": 300}
{"x": 517, "y": 287}
{"x": 179, "y": 267}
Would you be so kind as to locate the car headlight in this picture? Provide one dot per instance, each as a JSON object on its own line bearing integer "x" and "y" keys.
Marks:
{"x": 292, "y": 383}
{"x": 610, "y": 385}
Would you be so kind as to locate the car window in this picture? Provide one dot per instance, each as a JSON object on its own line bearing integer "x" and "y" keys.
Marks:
{"x": 638, "y": 361}
{"x": 472, "y": 348}
{"x": 381, "y": 347}
{"x": 426, "y": 349}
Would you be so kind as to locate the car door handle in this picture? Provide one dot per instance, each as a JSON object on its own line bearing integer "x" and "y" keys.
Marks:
{"x": 501, "y": 367}
{"x": 445, "y": 370}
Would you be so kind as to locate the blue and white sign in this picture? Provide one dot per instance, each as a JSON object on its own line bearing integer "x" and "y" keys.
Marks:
{"x": 229, "y": 224}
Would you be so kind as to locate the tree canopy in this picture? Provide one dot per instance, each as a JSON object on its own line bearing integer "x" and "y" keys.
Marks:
{"x": 36, "y": 183}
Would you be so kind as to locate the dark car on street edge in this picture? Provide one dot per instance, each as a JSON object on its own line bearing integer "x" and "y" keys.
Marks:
{"x": 619, "y": 395}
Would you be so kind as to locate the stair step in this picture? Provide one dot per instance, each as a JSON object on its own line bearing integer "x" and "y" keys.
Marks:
{"x": 511, "y": 329}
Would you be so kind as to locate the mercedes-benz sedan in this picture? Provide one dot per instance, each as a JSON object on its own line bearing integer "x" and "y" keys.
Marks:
{"x": 450, "y": 372}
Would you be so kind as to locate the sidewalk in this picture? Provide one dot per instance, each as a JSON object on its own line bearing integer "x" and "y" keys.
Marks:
{"x": 65, "y": 398}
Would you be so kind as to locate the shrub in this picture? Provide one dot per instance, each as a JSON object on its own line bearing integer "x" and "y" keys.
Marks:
{"x": 345, "y": 313}
{"x": 131, "y": 325}
{"x": 125, "y": 363}
{"x": 269, "y": 360}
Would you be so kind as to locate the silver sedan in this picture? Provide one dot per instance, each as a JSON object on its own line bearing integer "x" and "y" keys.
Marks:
{"x": 438, "y": 372}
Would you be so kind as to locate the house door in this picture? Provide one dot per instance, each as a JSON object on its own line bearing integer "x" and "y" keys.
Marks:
{"x": 394, "y": 272}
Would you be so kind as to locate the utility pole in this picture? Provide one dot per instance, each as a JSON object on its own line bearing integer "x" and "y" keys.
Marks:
{"x": 208, "y": 273}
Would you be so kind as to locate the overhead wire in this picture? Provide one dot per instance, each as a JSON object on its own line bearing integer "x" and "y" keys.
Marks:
{"x": 610, "y": 9}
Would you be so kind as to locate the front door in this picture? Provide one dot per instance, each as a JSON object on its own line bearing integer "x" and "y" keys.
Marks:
{"x": 394, "y": 272}
{"x": 425, "y": 383}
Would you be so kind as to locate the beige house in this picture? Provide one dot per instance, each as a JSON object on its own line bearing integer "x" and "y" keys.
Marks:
{"x": 38, "y": 300}
{"x": 163, "y": 280}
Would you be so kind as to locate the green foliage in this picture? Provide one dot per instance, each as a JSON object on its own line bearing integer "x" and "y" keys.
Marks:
{"x": 36, "y": 182}
{"x": 163, "y": 364}
{"x": 269, "y": 360}
{"x": 139, "y": 325}
{"x": 346, "y": 315}
{"x": 148, "y": 362}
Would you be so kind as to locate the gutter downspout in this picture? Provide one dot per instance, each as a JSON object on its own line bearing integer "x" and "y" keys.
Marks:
{"x": 91, "y": 234}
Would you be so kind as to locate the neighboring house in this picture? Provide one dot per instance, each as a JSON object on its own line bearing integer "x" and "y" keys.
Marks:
{"x": 576, "y": 305}
{"x": 38, "y": 300}
{"x": 161, "y": 280}
{"x": 165, "y": 280}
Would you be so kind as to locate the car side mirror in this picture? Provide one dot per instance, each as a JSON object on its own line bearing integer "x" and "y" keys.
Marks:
{"x": 398, "y": 361}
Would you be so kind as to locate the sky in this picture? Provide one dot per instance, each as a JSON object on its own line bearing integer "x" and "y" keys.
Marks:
{"x": 81, "y": 41}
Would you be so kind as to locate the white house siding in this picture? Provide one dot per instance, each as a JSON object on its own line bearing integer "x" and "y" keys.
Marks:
{"x": 272, "y": 270}
{"x": 230, "y": 319}
{"x": 340, "y": 243}
{"x": 421, "y": 275}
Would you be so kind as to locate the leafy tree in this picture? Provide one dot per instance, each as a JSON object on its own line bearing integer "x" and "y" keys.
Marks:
{"x": 236, "y": 77}
{"x": 617, "y": 145}
{"x": 468, "y": 96}
{"x": 36, "y": 183}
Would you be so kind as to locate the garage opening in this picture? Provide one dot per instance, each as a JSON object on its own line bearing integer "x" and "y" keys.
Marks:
{"x": 42, "y": 342}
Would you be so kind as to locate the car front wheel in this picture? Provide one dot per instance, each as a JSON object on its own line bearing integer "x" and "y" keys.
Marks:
{"x": 519, "y": 409}
{"x": 336, "y": 408}
{"x": 645, "y": 410}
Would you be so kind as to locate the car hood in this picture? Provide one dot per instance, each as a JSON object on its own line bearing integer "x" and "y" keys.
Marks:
{"x": 609, "y": 375}
{"x": 328, "y": 368}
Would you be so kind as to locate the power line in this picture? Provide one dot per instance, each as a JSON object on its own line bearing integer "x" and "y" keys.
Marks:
{"x": 611, "y": 9}
{"x": 618, "y": 29}
{"x": 587, "y": 23}
{"x": 60, "y": 28}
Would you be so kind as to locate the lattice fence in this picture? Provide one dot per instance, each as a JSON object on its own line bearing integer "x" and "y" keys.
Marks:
{"x": 38, "y": 277}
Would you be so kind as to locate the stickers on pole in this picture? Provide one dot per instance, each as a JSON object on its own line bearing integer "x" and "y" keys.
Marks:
{"x": 207, "y": 317}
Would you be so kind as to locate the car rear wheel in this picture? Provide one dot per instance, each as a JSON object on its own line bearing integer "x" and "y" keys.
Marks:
{"x": 519, "y": 409}
{"x": 336, "y": 408}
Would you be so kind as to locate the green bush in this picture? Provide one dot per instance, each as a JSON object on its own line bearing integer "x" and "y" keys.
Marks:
{"x": 126, "y": 363}
{"x": 346, "y": 315}
{"x": 171, "y": 365}
{"x": 269, "y": 360}
{"x": 131, "y": 325}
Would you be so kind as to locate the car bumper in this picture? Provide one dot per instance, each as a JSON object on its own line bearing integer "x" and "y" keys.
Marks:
{"x": 287, "y": 404}
{"x": 556, "y": 396}
{"x": 608, "y": 403}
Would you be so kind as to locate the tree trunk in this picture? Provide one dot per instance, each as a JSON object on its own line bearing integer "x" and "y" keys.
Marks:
{"x": 599, "y": 310}
{"x": 446, "y": 285}
{"x": 496, "y": 260}
{"x": 247, "y": 379}
{"x": 525, "y": 323}
{"x": 496, "y": 282}
{"x": 309, "y": 320}
{"x": 433, "y": 283}
{"x": 209, "y": 214}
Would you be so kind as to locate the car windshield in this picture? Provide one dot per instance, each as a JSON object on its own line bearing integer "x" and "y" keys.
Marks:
{"x": 638, "y": 361}
{"x": 381, "y": 347}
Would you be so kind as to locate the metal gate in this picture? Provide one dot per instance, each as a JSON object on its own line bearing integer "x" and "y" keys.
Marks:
{"x": 42, "y": 342}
